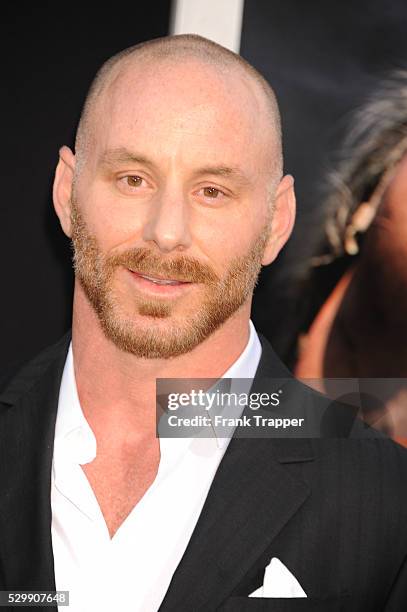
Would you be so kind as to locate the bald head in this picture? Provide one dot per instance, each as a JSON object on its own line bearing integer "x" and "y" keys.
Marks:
{"x": 175, "y": 49}
{"x": 178, "y": 162}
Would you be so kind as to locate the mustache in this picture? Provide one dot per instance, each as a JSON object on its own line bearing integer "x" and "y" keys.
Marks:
{"x": 145, "y": 261}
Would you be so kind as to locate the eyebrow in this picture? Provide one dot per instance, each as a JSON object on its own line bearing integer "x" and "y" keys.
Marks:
{"x": 122, "y": 155}
{"x": 119, "y": 155}
{"x": 232, "y": 172}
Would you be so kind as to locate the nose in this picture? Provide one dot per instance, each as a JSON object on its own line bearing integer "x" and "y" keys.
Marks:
{"x": 167, "y": 224}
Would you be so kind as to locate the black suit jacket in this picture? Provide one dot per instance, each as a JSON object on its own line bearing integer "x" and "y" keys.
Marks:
{"x": 334, "y": 511}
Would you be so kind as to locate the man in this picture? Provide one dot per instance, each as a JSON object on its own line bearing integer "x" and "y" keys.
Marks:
{"x": 174, "y": 199}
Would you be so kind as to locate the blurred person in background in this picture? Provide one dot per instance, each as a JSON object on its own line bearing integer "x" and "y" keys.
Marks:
{"x": 357, "y": 293}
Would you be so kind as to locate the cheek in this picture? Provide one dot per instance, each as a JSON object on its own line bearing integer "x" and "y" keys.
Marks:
{"x": 112, "y": 221}
{"x": 224, "y": 254}
{"x": 214, "y": 240}
{"x": 224, "y": 234}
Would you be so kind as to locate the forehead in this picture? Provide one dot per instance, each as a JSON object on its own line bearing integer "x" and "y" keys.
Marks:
{"x": 185, "y": 108}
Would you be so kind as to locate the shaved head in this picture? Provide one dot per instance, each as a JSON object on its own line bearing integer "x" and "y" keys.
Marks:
{"x": 174, "y": 198}
{"x": 174, "y": 49}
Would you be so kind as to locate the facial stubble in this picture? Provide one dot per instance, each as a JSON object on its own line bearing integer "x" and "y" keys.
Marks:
{"x": 222, "y": 296}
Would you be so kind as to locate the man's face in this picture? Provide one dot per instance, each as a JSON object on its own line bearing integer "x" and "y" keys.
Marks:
{"x": 170, "y": 212}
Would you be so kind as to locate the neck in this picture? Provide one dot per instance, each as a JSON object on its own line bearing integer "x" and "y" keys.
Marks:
{"x": 361, "y": 330}
{"x": 117, "y": 389}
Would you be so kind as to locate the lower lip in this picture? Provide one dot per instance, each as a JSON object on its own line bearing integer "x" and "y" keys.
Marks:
{"x": 147, "y": 285}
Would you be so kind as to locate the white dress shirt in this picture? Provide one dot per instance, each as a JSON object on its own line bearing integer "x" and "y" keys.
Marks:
{"x": 132, "y": 570}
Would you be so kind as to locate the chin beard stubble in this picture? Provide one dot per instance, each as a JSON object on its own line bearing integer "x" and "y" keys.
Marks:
{"x": 223, "y": 297}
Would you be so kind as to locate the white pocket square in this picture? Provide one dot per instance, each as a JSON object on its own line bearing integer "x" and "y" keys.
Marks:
{"x": 278, "y": 582}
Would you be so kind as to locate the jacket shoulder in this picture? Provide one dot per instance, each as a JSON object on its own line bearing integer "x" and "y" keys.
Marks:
{"x": 20, "y": 377}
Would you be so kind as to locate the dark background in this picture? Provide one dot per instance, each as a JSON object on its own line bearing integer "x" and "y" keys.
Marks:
{"x": 50, "y": 56}
{"x": 321, "y": 57}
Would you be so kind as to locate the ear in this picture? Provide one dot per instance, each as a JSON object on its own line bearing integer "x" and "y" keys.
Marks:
{"x": 62, "y": 189}
{"x": 282, "y": 222}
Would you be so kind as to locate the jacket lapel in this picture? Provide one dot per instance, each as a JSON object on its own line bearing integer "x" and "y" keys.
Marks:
{"x": 251, "y": 499}
{"x": 27, "y": 416}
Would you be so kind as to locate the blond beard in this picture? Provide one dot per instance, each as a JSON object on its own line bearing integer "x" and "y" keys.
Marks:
{"x": 224, "y": 296}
